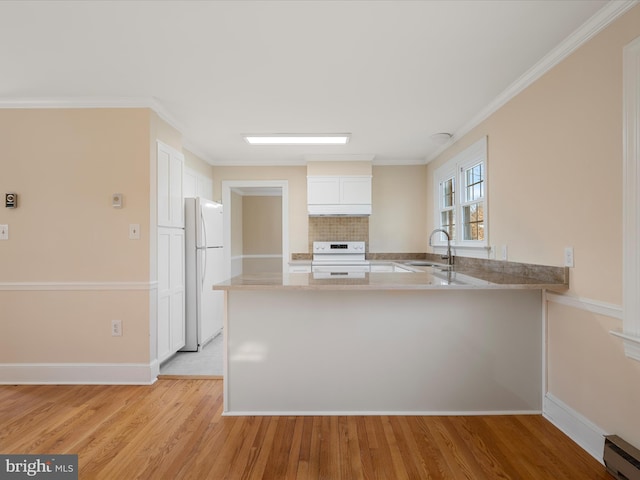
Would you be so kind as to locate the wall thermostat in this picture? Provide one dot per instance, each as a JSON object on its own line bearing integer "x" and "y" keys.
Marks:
{"x": 116, "y": 200}
{"x": 11, "y": 200}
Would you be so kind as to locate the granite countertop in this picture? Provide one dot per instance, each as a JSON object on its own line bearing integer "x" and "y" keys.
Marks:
{"x": 470, "y": 276}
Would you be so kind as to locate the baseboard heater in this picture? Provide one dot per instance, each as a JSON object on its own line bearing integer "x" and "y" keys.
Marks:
{"x": 621, "y": 458}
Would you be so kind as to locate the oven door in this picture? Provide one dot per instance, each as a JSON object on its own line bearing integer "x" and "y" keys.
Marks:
{"x": 339, "y": 271}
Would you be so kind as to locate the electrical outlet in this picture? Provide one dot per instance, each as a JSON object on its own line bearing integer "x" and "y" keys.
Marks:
{"x": 4, "y": 232}
{"x": 503, "y": 252}
{"x": 134, "y": 231}
{"x": 116, "y": 328}
{"x": 568, "y": 257}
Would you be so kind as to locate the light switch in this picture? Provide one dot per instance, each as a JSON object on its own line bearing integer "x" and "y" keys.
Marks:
{"x": 4, "y": 232}
{"x": 116, "y": 328}
{"x": 134, "y": 231}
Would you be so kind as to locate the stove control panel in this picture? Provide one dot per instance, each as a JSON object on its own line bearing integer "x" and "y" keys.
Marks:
{"x": 338, "y": 248}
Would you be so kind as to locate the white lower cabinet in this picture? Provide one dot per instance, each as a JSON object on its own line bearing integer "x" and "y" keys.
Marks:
{"x": 397, "y": 268}
{"x": 389, "y": 267}
{"x": 299, "y": 268}
{"x": 171, "y": 292}
{"x": 385, "y": 267}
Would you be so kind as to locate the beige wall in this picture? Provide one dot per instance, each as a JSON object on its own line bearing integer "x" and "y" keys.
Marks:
{"x": 194, "y": 162}
{"x": 297, "y": 180}
{"x": 65, "y": 236}
{"x": 399, "y": 201}
{"x": 555, "y": 180}
{"x": 161, "y": 130}
{"x": 398, "y": 220}
{"x": 262, "y": 225}
{"x": 338, "y": 168}
{"x": 588, "y": 370}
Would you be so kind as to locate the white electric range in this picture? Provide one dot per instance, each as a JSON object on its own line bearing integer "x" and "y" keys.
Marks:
{"x": 339, "y": 259}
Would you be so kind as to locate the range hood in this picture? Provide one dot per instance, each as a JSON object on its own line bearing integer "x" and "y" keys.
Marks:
{"x": 339, "y": 210}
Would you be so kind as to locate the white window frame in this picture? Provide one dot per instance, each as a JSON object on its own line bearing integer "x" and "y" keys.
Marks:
{"x": 631, "y": 202}
{"x": 456, "y": 166}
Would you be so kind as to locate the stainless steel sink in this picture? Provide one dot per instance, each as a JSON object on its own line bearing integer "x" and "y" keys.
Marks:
{"x": 425, "y": 263}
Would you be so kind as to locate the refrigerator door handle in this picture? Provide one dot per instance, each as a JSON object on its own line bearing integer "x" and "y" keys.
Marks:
{"x": 204, "y": 273}
{"x": 204, "y": 260}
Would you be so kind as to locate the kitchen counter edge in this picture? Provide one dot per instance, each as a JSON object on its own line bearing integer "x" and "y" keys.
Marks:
{"x": 419, "y": 280}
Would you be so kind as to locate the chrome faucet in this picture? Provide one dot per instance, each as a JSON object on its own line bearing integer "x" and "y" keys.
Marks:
{"x": 448, "y": 257}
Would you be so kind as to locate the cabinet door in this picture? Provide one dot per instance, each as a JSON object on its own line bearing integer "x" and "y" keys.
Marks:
{"x": 323, "y": 190}
{"x": 170, "y": 163}
{"x": 176, "y": 272}
{"x": 171, "y": 292}
{"x": 196, "y": 185}
{"x": 355, "y": 190}
{"x": 205, "y": 187}
{"x": 163, "y": 173}
{"x": 164, "y": 295}
{"x": 396, "y": 268}
{"x": 175, "y": 190}
{"x": 299, "y": 268}
{"x": 382, "y": 268}
{"x": 189, "y": 183}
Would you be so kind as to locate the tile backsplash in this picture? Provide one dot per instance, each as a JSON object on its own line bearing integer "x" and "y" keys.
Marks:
{"x": 348, "y": 229}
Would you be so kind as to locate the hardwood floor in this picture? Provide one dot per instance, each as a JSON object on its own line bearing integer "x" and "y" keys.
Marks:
{"x": 174, "y": 430}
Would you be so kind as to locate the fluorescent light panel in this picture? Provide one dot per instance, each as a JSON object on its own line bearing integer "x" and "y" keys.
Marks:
{"x": 298, "y": 139}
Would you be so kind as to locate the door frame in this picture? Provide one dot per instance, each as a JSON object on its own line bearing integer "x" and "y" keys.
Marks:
{"x": 227, "y": 187}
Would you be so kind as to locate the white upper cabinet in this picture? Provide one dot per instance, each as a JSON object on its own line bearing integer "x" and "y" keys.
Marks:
{"x": 339, "y": 195}
{"x": 355, "y": 190}
{"x": 323, "y": 190}
{"x": 170, "y": 200}
{"x": 196, "y": 185}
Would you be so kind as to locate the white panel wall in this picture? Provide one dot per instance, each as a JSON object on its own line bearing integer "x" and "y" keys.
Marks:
{"x": 440, "y": 352}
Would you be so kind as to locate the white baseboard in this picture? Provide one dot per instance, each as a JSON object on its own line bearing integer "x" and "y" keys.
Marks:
{"x": 577, "y": 427}
{"x": 376, "y": 413}
{"x": 79, "y": 373}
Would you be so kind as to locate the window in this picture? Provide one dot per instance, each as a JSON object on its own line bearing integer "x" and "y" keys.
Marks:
{"x": 461, "y": 186}
{"x": 631, "y": 212}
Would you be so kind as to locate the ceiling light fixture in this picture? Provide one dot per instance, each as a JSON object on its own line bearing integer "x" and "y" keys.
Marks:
{"x": 441, "y": 138}
{"x": 298, "y": 139}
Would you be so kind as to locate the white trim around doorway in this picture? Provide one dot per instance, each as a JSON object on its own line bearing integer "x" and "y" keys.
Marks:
{"x": 228, "y": 186}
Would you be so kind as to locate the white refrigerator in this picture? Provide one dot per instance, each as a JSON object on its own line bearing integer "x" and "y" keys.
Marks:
{"x": 204, "y": 266}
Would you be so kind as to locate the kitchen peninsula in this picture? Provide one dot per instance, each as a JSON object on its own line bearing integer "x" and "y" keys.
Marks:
{"x": 433, "y": 341}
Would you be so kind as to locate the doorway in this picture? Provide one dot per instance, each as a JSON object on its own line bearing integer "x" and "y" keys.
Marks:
{"x": 256, "y": 226}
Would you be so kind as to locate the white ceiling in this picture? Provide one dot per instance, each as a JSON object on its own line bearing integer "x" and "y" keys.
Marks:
{"x": 391, "y": 73}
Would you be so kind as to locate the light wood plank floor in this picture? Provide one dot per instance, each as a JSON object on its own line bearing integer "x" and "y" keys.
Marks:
{"x": 174, "y": 430}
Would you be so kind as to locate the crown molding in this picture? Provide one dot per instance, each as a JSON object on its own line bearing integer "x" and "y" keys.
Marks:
{"x": 337, "y": 157}
{"x": 594, "y": 25}
{"x": 195, "y": 149}
{"x": 269, "y": 162}
{"x": 91, "y": 102}
{"x": 164, "y": 114}
{"x": 151, "y": 103}
{"x": 78, "y": 102}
